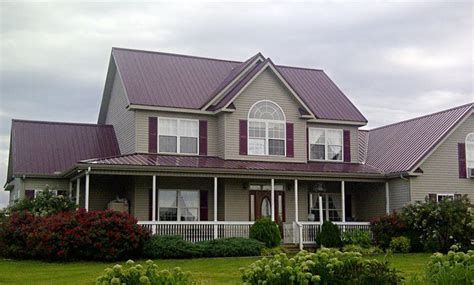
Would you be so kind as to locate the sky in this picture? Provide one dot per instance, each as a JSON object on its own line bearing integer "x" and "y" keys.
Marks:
{"x": 394, "y": 60}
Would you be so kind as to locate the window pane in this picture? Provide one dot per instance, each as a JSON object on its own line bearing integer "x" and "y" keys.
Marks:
{"x": 167, "y": 198}
{"x": 267, "y": 111}
{"x": 188, "y": 214}
{"x": 276, "y": 147}
{"x": 168, "y": 214}
{"x": 317, "y": 151}
{"x": 168, "y": 127}
{"x": 256, "y": 130}
{"x": 188, "y": 128}
{"x": 316, "y": 136}
{"x": 334, "y": 152}
{"x": 168, "y": 144}
{"x": 276, "y": 131}
{"x": 188, "y": 145}
{"x": 188, "y": 199}
{"x": 257, "y": 146}
{"x": 266, "y": 208}
{"x": 334, "y": 137}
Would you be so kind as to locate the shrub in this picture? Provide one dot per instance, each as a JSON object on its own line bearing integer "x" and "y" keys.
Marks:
{"x": 96, "y": 235}
{"x": 326, "y": 266}
{"x": 134, "y": 274}
{"x": 369, "y": 251}
{"x": 441, "y": 224}
{"x": 170, "y": 247}
{"x": 387, "y": 227}
{"x": 46, "y": 203}
{"x": 230, "y": 247}
{"x": 357, "y": 237}
{"x": 274, "y": 251}
{"x": 266, "y": 231}
{"x": 330, "y": 236}
{"x": 400, "y": 244}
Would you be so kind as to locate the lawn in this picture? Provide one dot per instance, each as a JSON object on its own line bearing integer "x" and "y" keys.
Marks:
{"x": 207, "y": 270}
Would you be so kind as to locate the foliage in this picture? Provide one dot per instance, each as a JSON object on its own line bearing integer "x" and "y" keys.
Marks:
{"x": 400, "y": 244}
{"x": 364, "y": 251}
{"x": 132, "y": 274}
{"x": 357, "y": 237}
{"x": 274, "y": 251}
{"x": 386, "y": 227}
{"x": 167, "y": 247}
{"x": 266, "y": 231}
{"x": 326, "y": 266}
{"x": 330, "y": 236}
{"x": 46, "y": 203}
{"x": 441, "y": 224}
{"x": 96, "y": 235}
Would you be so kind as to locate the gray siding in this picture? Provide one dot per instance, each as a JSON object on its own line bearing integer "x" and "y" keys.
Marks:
{"x": 302, "y": 202}
{"x": 368, "y": 200}
{"x": 42, "y": 183}
{"x": 122, "y": 119}
{"x": 236, "y": 201}
{"x": 399, "y": 193}
{"x": 440, "y": 169}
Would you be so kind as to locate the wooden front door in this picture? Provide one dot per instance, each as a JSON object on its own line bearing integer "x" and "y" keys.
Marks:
{"x": 260, "y": 205}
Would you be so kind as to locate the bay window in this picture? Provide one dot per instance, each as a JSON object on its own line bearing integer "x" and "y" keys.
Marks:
{"x": 178, "y": 205}
{"x": 325, "y": 144}
{"x": 178, "y": 136}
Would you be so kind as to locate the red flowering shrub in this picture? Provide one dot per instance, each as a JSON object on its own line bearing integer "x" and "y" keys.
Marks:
{"x": 386, "y": 227}
{"x": 96, "y": 235}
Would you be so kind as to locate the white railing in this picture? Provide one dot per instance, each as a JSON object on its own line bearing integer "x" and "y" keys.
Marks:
{"x": 306, "y": 232}
{"x": 199, "y": 231}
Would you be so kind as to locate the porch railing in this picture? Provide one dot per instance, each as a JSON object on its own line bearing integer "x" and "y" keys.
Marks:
{"x": 199, "y": 231}
{"x": 309, "y": 230}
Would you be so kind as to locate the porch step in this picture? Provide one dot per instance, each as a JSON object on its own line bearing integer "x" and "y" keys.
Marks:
{"x": 295, "y": 248}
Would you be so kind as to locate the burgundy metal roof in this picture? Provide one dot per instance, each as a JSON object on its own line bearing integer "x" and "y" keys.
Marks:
{"x": 170, "y": 80}
{"x": 142, "y": 159}
{"x": 50, "y": 147}
{"x": 399, "y": 147}
{"x": 363, "y": 141}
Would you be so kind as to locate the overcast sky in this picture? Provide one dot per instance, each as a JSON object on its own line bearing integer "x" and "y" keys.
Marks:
{"x": 394, "y": 61}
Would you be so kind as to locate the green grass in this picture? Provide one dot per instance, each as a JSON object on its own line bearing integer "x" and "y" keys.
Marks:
{"x": 206, "y": 270}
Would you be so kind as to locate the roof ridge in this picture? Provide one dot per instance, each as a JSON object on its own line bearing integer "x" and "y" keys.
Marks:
{"x": 421, "y": 117}
{"x": 175, "y": 54}
{"x": 299, "y": 67}
{"x": 61, "y": 123}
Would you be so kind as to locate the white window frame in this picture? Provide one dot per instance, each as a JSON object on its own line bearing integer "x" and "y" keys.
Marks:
{"x": 178, "y": 208}
{"x": 178, "y": 136}
{"x": 37, "y": 191}
{"x": 469, "y": 163}
{"x": 438, "y": 195}
{"x": 267, "y": 138}
{"x": 326, "y": 148}
{"x": 326, "y": 210}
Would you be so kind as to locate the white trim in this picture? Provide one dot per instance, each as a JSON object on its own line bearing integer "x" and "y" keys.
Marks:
{"x": 272, "y": 202}
{"x": 343, "y": 201}
{"x": 443, "y": 195}
{"x": 325, "y": 144}
{"x": 153, "y": 197}
{"x": 296, "y": 200}
{"x": 467, "y": 144}
{"x": 86, "y": 197}
{"x": 387, "y": 198}
{"x": 178, "y": 136}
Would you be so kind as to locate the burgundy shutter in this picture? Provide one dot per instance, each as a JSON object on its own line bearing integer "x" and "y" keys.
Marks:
{"x": 432, "y": 197}
{"x": 290, "y": 147}
{"x": 347, "y": 145}
{"x": 202, "y": 137}
{"x": 152, "y": 134}
{"x": 30, "y": 194}
{"x": 462, "y": 160}
{"x": 203, "y": 205}
{"x": 243, "y": 137}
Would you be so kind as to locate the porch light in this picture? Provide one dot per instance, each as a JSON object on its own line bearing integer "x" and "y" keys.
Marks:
{"x": 319, "y": 187}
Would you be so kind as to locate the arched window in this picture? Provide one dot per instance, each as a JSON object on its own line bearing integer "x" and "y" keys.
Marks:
{"x": 266, "y": 129}
{"x": 470, "y": 151}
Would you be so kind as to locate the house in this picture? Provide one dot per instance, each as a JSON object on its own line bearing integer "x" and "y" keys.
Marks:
{"x": 203, "y": 147}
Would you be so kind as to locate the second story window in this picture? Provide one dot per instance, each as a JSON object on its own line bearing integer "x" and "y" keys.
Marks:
{"x": 470, "y": 152}
{"x": 325, "y": 144}
{"x": 266, "y": 129}
{"x": 178, "y": 136}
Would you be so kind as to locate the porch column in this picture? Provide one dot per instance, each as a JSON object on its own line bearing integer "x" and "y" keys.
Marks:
{"x": 273, "y": 200}
{"x": 78, "y": 190}
{"x": 343, "y": 195}
{"x": 320, "y": 209}
{"x": 86, "y": 203}
{"x": 387, "y": 198}
{"x": 215, "y": 209}
{"x": 153, "y": 199}
{"x": 296, "y": 200}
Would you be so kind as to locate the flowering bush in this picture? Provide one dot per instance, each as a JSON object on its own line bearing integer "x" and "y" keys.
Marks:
{"x": 357, "y": 237}
{"x": 400, "y": 244}
{"x": 96, "y": 235}
{"x": 133, "y": 273}
{"x": 326, "y": 266}
{"x": 386, "y": 227}
{"x": 266, "y": 231}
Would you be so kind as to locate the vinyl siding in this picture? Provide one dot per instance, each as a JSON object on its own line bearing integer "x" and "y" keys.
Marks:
{"x": 42, "y": 183}
{"x": 17, "y": 191}
{"x": 236, "y": 201}
{"x": 368, "y": 199}
{"x": 220, "y": 133}
{"x": 440, "y": 169}
{"x": 302, "y": 202}
{"x": 399, "y": 193}
{"x": 122, "y": 119}
{"x": 142, "y": 128}
{"x": 265, "y": 87}
{"x": 354, "y": 137}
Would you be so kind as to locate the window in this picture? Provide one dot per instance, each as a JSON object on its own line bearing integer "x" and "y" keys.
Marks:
{"x": 178, "y": 136}
{"x": 441, "y": 197}
{"x": 266, "y": 129}
{"x": 325, "y": 144}
{"x": 266, "y": 187}
{"x": 174, "y": 205}
{"x": 332, "y": 206}
{"x": 470, "y": 152}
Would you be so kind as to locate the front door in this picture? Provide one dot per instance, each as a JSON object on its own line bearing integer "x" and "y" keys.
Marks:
{"x": 260, "y": 205}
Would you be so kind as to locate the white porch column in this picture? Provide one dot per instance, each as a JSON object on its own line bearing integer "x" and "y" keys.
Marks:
{"x": 273, "y": 200}
{"x": 387, "y": 198}
{"x": 153, "y": 198}
{"x": 343, "y": 196}
{"x": 215, "y": 208}
{"x": 78, "y": 190}
{"x": 296, "y": 200}
{"x": 86, "y": 203}
{"x": 321, "y": 220}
